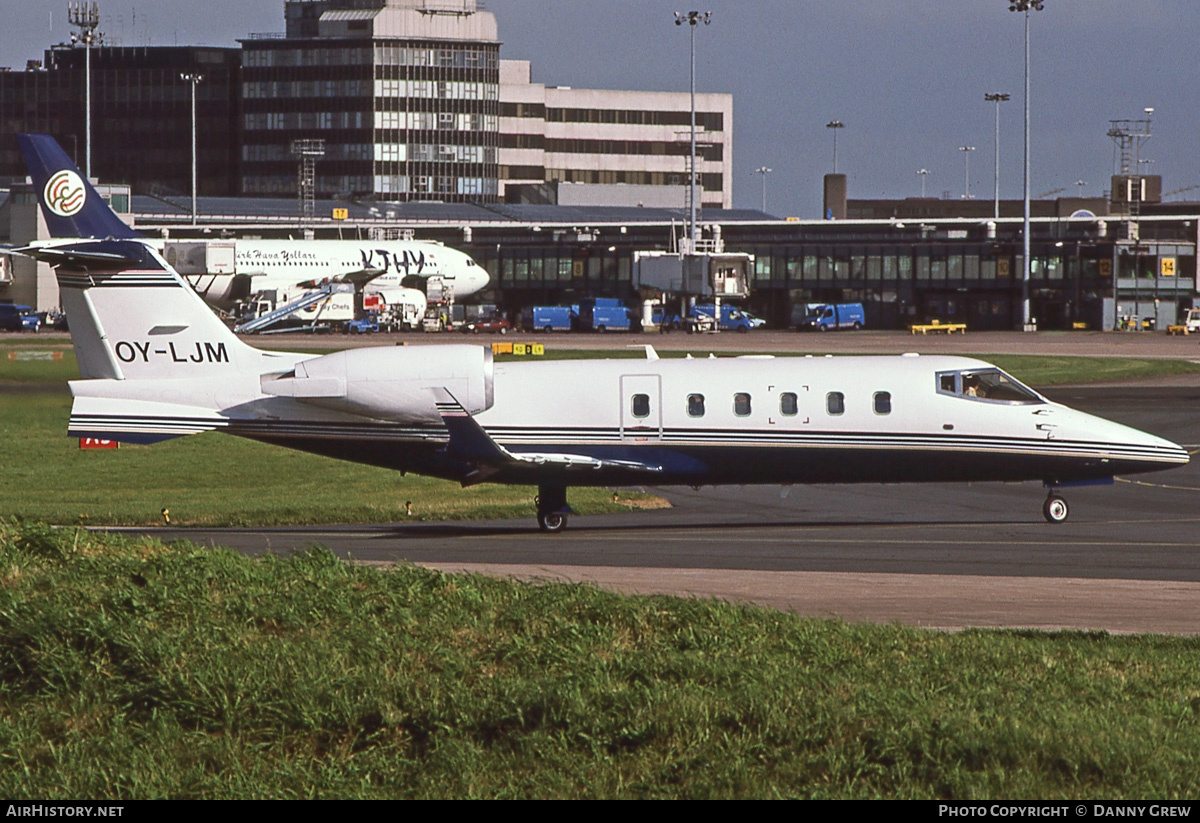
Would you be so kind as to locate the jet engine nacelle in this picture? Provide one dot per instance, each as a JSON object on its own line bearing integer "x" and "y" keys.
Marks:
{"x": 390, "y": 383}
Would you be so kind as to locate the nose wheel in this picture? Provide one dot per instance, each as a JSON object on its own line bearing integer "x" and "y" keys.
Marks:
{"x": 1055, "y": 509}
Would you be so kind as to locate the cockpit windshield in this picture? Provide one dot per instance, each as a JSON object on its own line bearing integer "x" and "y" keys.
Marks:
{"x": 986, "y": 384}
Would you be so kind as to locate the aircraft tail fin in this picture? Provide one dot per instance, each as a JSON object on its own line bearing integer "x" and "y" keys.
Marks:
{"x": 71, "y": 206}
{"x": 133, "y": 317}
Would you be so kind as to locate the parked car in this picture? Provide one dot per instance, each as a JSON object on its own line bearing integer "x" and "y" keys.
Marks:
{"x": 16, "y": 317}
{"x": 494, "y": 323}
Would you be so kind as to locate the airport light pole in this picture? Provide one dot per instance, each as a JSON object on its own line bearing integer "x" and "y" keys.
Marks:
{"x": 997, "y": 98}
{"x": 834, "y": 125}
{"x": 193, "y": 78}
{"x": 966, "y": 150}
{"x": 86, "y": 17}
{"x": 693, "y": 18}
{"x": 1025, "y": 6}
{"x": 764, "y": 171}
{"x": 922, "y": 173}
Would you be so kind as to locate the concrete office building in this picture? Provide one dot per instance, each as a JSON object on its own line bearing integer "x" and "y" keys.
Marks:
{"x": 141, "y": 115}
{"x": 404, "y": 93}
{"x": 555, "y": 138}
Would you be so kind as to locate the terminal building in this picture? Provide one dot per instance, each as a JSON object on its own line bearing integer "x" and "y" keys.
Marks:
{"x": 426, "y": 131}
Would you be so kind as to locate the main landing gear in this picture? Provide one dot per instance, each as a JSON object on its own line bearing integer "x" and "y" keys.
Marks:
{"x": 1055, "y": 509}
{"x": 552, "y": 508}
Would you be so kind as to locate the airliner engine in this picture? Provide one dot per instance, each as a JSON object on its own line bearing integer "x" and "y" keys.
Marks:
{"x": 390, "y": 384}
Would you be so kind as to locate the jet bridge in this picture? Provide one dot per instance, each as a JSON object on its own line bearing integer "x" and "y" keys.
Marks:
{"x": 708, "y": 275}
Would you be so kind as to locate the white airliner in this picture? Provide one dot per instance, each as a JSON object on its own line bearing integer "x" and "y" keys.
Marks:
{"x": 156, "y": 363}
{"x": 287, "y": 267}
{"x": 291, "y": 267}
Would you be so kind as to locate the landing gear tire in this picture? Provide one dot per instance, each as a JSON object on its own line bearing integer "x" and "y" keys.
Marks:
{"x": 1055, "y": 509}
{"x": 552, "y": 522}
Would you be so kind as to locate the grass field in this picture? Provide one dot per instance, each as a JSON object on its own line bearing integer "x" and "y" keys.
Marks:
{"x": 213, "y": 479}
{"x": 133, "y": 670}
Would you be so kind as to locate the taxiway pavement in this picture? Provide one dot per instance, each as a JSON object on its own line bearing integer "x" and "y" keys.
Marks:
{"x": 935, "y": 555}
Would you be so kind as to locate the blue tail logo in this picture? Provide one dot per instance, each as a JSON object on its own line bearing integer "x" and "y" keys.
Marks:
{"x": 71, "y": 206}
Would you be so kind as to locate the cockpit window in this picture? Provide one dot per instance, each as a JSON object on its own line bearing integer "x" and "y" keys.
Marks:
{"x": 986, "y": 384}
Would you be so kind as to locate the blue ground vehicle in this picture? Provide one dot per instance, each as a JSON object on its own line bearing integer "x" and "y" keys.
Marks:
{"x": 603, "y": 314}
{"x": 828, "y": 316}
{"x": 364, "y": 325}
{"x": 17, "y": 317}
{"x": 547, "y": 318}
{"x": 732, "y": 318}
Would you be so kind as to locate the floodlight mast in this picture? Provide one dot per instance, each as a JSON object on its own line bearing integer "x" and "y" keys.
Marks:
{"x": 764, "y": 171}
{"x": 193, "y": 78}
{"x": 997, "y": 98}
{"x": 86, "y": 18}
{"x": 834, "y": 125}
{"x": 693, "y": 18}
{"x": 1025, "y": 6}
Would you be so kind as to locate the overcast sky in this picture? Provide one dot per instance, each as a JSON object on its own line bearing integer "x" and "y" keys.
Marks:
{"x": 906, "y": 77}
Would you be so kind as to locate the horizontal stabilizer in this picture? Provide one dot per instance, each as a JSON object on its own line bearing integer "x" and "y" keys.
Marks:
{"x": 139, "y": 421}
{"x": 94, "y": 255}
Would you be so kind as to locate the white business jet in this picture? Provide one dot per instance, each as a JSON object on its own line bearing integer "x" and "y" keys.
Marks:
{"x": 156, "y": 363}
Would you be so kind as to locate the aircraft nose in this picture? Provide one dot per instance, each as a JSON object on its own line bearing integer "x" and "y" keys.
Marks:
{"x": 1132, "y": 450}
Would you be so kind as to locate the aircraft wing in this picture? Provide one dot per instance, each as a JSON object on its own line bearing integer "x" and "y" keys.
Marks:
{"x": 361, "y": 277}
{"x": 469, "y": 442}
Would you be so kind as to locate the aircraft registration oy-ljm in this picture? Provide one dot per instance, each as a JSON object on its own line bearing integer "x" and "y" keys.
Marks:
{"x": 156, "y": 363}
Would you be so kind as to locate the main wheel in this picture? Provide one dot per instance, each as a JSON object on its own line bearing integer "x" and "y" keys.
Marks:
{"x": 552, "y": 521}
{"x": 1055, "y": 509}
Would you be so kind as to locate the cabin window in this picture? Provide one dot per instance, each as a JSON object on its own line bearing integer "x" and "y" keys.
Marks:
{"x": 641, "y": 405}
{"x": 741, "y": 404}
{"x": 788, "y": 405}
{"x": 695, "y": 406}
{"x": 883, "y": 402}
{"x": 835, "y": 403}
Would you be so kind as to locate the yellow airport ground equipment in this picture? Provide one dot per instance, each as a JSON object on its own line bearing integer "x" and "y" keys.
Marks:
{"x": 1079, "y": 326}
{"x": 1179, "y": 329}
{"x": 938, "y": 327}
{"x": 519, "y": 349}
